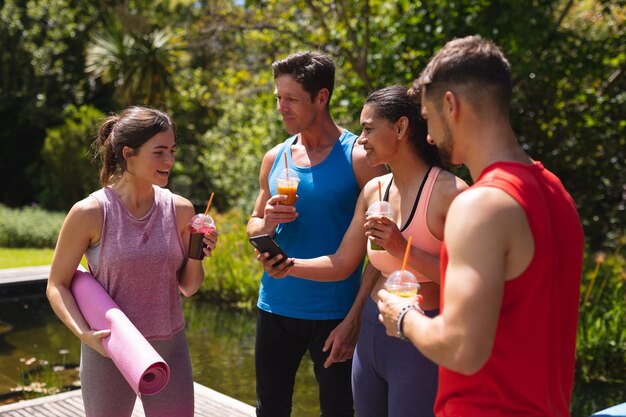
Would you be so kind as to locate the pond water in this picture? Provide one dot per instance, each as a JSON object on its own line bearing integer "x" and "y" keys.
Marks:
{"x": 221, "y": 343}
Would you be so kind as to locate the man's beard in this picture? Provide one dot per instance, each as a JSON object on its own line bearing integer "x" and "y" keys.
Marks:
{"x": 445, "y": 149}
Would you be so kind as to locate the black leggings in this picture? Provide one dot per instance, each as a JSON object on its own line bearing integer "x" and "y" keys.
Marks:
{"x": 281, "y": 342}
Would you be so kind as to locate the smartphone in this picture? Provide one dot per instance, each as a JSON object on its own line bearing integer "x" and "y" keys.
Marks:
{"x": 265, "y": 243}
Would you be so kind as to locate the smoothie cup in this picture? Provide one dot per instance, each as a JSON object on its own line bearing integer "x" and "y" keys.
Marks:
{"x": 287, "y": 184}
{"x": 199, "y": 225}
{"x": 402, "y": 283}
{"x": 382, "y": 209}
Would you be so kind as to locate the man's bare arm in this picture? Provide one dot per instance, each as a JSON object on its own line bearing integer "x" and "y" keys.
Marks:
{"x": 266, "y": 214}
{"x": 479, "y": 230}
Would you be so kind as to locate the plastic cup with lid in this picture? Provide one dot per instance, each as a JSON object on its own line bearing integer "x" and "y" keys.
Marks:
{"x": 379, "y": 209}
{"x": 287, "y": 182}
{"x": 199, "y": 225}
{"x": 402, "y": 283}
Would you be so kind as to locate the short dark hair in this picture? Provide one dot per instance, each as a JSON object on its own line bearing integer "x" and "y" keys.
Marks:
{"x": 132, "y": 127}
{"x": 474, "y": 64}
{"x": 313, "y": 69}
{"x": 392, "y": 103}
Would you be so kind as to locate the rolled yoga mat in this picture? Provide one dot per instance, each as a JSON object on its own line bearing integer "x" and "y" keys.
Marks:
{"x": 141, "y": 365}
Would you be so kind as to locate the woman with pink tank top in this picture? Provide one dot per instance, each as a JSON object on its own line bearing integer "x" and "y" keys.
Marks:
{"x": 134, "y": 235}
{"x": 389, "y": 376}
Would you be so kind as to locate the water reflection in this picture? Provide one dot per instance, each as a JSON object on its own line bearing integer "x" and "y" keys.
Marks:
{"x": 37, "y": 337}
{"x": 221, "y": 344}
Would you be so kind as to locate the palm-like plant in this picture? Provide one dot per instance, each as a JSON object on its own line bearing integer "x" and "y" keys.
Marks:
{"x": 140, "y": 65}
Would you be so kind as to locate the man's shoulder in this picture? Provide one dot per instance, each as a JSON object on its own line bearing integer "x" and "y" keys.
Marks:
{"x": 271, "y": 155}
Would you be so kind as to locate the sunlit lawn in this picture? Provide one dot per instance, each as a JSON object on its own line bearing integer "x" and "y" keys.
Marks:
{"x": 18, "y": 257}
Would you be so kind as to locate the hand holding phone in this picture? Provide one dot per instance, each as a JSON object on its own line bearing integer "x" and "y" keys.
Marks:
{"x": 265, "y": 243}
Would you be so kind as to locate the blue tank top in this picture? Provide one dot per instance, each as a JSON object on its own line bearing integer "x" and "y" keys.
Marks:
{"x": 327, "y": 195}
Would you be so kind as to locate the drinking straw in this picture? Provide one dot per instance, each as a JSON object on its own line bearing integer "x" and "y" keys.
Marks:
{"x": 286, "y": 166}
{"x": 380, "y": 194}
{"x": 406, "y": 253}
{"x": 208, "y": 205}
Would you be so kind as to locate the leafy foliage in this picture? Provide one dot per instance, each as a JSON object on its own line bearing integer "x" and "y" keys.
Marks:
{"x": 140, "y": 63}
{"x": 69, "y": 173}
{"x": 601, "y": 344}
{"x": 232, "y": 273}
{"x": 203, "y": 59}
{"x": 41, "y": 71}
{"x": 29, "y": 227}
{"x": 231, "y": 152}
{"x": 601, "y": 338}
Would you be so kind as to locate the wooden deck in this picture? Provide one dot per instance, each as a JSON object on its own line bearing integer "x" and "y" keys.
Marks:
{"x": 30, "y": 274}
{"x": 209, "y": 403}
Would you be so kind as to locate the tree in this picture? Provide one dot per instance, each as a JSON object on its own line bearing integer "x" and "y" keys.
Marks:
{"x": 568, "y": 79}
{"x": 41, "y": 71}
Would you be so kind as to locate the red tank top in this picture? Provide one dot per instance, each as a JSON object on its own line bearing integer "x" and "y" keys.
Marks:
{"x": 531, "y": 369}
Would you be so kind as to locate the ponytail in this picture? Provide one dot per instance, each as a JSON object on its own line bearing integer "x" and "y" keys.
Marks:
{"x": 104, "y": 143}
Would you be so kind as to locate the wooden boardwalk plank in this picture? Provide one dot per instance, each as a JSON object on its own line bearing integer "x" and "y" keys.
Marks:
{"x": 9, "y": 276}
{"x": 209, "y": 403}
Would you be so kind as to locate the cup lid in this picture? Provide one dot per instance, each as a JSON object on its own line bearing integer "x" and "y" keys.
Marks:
{"x": 402, "y": 279}
{"x": 282, "y": 175}
{"x": 200, "y": 220}
{"x": 381, "y": 208}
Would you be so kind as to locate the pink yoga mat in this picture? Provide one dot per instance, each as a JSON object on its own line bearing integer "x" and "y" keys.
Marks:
{"x": 144, "y": 369}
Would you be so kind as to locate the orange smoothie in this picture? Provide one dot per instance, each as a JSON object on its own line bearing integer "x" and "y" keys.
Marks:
{"x": 290, "y": 191}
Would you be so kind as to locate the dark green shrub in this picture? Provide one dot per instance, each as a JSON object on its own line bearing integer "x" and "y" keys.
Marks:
{"x": 69, "y": 173}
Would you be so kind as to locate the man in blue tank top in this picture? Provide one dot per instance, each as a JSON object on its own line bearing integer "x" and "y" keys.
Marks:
{"x": 298, "y": 315}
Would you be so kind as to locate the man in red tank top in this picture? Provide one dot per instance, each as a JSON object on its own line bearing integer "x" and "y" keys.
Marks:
{"x": 512, "y": 255}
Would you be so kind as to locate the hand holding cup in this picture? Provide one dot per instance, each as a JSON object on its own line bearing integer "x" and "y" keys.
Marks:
{"x": 200, "y": 225}
{"x": 379, "y": 209}
{"x": 287, "y": 184}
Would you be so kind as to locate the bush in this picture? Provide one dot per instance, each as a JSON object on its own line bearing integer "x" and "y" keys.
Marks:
{"x": 232, "y": 274}
{"x": 67, "y": 173}
{"x": 601, "y": 341}
{"x": 29, "y": 227}
{"x": 601, "y": 338}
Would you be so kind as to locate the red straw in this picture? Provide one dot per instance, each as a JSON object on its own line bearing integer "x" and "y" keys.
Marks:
{"x": 380, "y": 194}
{"x": 406, "y": 253}
{"x": 208, "y": 205}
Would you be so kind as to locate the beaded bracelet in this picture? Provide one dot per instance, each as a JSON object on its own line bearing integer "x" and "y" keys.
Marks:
{"x": 401, "y": 315}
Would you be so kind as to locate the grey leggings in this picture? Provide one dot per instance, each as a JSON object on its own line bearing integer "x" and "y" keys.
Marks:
{"x": 390, "y": 377}
{"x": 107, "y": 394}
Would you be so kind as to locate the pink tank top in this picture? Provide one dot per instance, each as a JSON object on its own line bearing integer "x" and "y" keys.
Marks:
{"x": 137, "y": 261}
{"x": 415, "y": 226}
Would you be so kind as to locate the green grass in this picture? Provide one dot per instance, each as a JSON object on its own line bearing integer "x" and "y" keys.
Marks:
{"x": 19, "y": 257}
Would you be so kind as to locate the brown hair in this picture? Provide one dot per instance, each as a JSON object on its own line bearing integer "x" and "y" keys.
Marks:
{"x": 132, "y": 127}
{"x": 313, "y": 70}
{"x": 471, "y": 66}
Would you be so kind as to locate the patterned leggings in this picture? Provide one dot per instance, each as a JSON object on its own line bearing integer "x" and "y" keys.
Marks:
{"x": 107, "y": 394}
